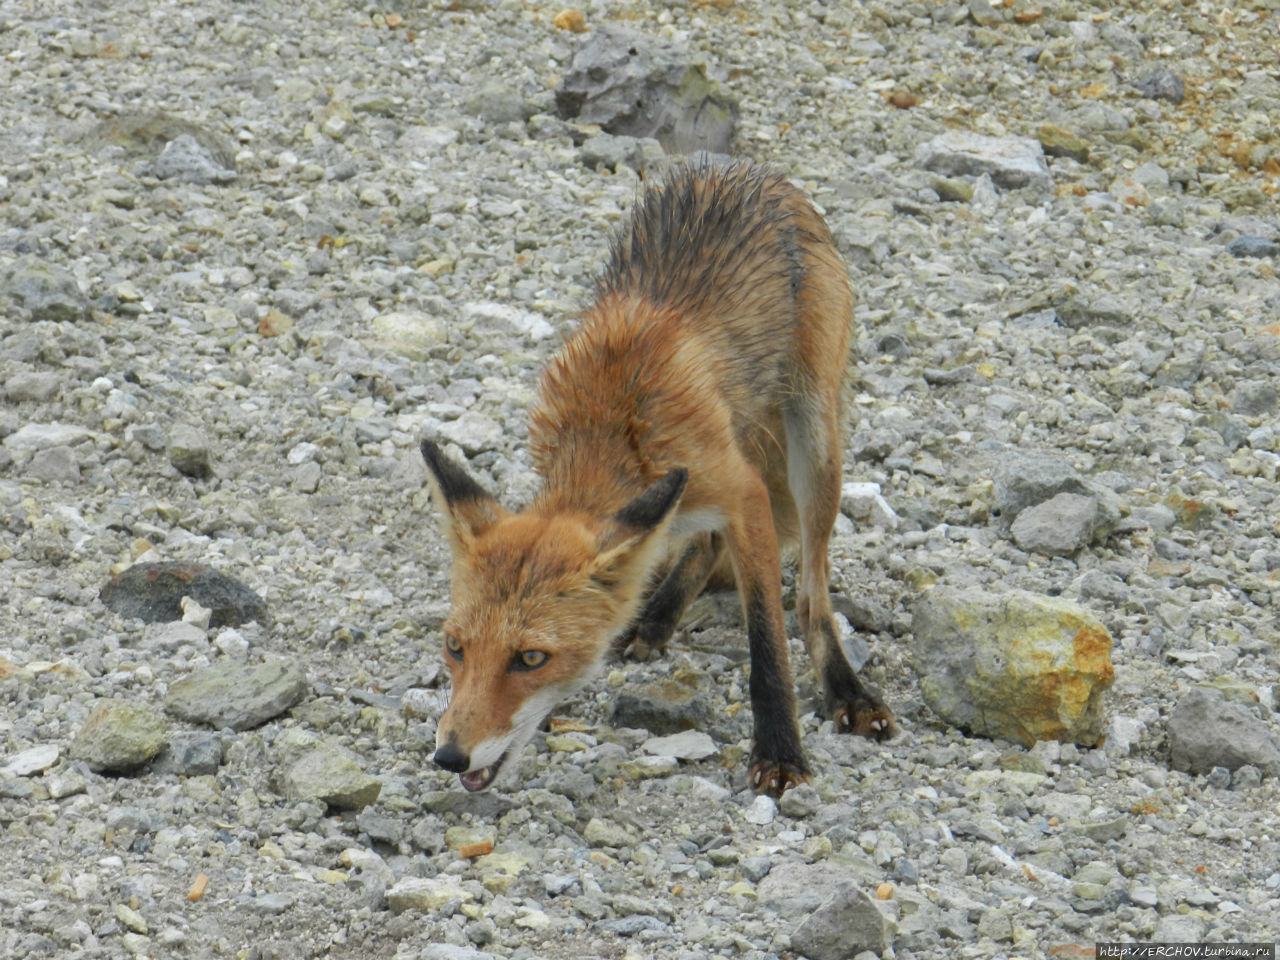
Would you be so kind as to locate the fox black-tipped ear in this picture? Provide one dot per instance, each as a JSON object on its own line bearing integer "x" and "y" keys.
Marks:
{"x": 626, "y": 547}
{"x": 465, "y": 508}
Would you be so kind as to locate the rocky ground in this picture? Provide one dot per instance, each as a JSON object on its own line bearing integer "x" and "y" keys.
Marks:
{"x": 250, "y": 252}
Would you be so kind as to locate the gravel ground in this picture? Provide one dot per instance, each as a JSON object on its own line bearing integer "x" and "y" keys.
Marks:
{"x": 250, "y": 252}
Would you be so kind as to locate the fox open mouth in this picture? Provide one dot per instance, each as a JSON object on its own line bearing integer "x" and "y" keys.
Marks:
{"x": 475, "y": 780}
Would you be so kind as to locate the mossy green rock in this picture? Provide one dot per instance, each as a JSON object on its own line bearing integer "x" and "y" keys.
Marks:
{"x": 119, "y": 736}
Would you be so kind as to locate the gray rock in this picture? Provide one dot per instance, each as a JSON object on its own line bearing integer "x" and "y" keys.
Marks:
{"x": 800, "y": 802}
{"x": 1179, "y": 928}
{"x": 496, "y": 102}
{"x": 1023, "y": 479}
{"x": 185, "y": 158}
{"x": 236, "y": 695}
{"x": 324, "y": 772}
{"x": 1161, "y": 84}
{"x": 570, "y": 781}
{"x": 473, "y": 432}
{"x": 640, "y": 86}
{"x": 1254, "y": 398}
{"x": 43, "y": 291}
{"x": 1247, "y": 246}
{"x": 630, "y": 926}
{"x": 1011, "y": 162}
{"x": 1082, "y": 310}
{"x": 118, "y": 736}
{"x": 846, "y": 924}
{"x": 449, "y": 951}
{"x": 1058, "y": 527}
{"x": 795, "y": 888}
{"x": 54, "y": 465}
{"x": 608, "y": 151}
{"x": 42, "y": 436}
{"x": 34, "y": 385}
{"x": 190, "y": 754}
{"x": 1206, "y": 730}
{"x": 153, "y": 592}
{"x": 188, "y": 451}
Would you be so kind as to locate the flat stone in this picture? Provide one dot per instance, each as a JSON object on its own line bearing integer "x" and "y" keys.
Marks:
{"x": 119, "y": 736}
{"x": 409, "y": 334}
{"x": 54, "y": 465}
{"x": 33, "y": 760}
{"x": 235, "y": 695}
{"x": 686, "y": 745}
{"x": 43, "y": 436}
{"x": 425, "y": 893}
{"x": 1014, "y": 666}
{"x": 1011, "y": 162}
{"x": 474, "y": 432}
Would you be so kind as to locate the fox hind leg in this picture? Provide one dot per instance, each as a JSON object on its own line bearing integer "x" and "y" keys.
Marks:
{"x": 813, "y": 474}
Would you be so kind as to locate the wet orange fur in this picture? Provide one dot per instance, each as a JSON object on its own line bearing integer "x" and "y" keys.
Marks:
{"x": 717, "y": 343}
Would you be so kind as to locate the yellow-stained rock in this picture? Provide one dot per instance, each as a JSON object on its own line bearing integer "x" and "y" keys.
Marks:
{"x": 1014, "y": 666}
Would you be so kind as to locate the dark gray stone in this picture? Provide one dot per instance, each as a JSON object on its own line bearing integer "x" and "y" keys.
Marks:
{"x": 661, "y": 708}
{"x": 190, "y": 754}
{"x": 188, "y": 451}
{"x": 1247, "y": 246}
{"x": 1206, "y": 730}
{"x": 639, "y": 86}
{"x": 43, "y": 291}
{"x": 153, "y": 592}
{"x": 1161, "y": 84}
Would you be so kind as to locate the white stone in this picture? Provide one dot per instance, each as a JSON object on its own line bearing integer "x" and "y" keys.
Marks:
{"x": 762, "y": 811}
{"x": 34, "y": 760}
{"x": 686, "y": 745}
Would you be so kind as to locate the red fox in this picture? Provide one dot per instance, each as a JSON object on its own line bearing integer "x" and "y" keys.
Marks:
{"x": 694, "y": 416}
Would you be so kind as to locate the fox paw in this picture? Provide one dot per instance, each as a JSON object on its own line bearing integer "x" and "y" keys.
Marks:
{"x": 775, "y": 777}
{"x": 865, "y": 717}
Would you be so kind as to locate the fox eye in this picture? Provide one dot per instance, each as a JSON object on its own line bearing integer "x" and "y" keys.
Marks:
{"x": 529, "y": 660}
{"x": 453, "y": 645}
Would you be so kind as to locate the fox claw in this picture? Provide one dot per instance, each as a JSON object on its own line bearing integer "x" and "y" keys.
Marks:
{"x": 866, "y": 720}
{"x": 776, "y": 778}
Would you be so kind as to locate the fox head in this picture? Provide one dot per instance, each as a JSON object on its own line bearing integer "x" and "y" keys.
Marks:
{"x": 536, "y": 599}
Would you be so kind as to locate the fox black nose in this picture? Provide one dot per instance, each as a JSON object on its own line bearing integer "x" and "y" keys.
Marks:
{"x": 452, "y": 758}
